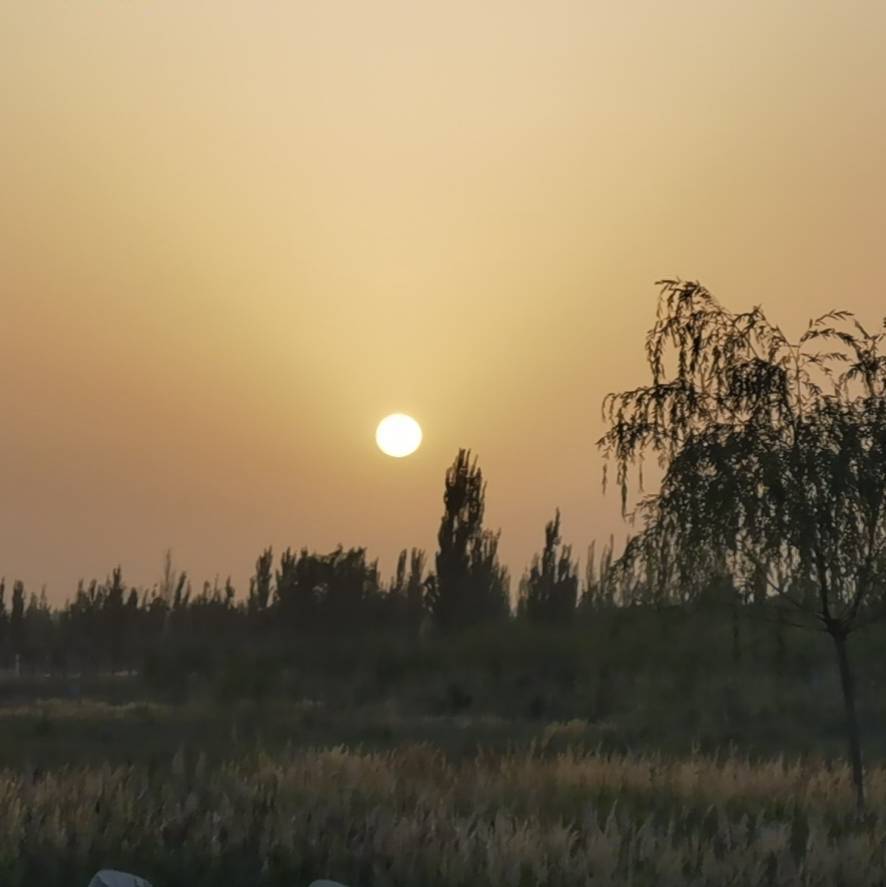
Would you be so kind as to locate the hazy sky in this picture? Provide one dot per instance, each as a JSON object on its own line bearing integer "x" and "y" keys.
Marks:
{"x": 234, "y": 235}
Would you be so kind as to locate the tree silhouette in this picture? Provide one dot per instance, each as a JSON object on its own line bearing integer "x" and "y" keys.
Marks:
{"x": 470, "y": 585}
{"x": 488, "y": 581}
{"x": 298, "y": 584}
{"x": 260, "y": 584}
{"x": 599, "y": 587}
{"x": 407, "y": 590}
{"x": 416, "y": 587}
{"x": 4, "y": 617}
{"x": 350, "y": 587}
{"x": 774, "y": 458}
{"x": 114, "y": 616}
{"x": 550, "y": 589}
{"x": 17, "y": 617}
{"x": 335, "y": 591}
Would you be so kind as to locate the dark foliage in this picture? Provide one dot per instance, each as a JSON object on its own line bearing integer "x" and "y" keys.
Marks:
{"x": 470, "y": 585}
{"x": 549, "y": 591}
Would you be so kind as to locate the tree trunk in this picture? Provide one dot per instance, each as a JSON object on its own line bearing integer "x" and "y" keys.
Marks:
{"x": 781, "y": 655}
{"x": 736, "y": 633}
{"x": 847, "y": 679}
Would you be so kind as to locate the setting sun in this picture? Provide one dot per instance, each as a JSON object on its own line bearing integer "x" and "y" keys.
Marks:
{"x": 398, "y": 435}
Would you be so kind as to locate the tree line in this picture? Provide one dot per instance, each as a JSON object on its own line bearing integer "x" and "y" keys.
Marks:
{"x": 109, "y": 625}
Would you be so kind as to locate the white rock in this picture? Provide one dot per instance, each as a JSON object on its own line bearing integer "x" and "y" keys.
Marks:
{"x": 109, "y": 878}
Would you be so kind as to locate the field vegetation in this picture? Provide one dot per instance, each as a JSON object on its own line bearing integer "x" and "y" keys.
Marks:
{"x": 559, "y": 812}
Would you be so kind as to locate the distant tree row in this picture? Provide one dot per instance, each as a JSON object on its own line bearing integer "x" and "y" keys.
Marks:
{"x": 110, "y": 625}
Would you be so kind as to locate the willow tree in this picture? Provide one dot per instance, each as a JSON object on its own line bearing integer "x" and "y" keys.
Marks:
{"x": 773, "y": 458}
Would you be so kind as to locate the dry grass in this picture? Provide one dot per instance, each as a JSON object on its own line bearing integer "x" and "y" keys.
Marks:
{"x": 413, "y": 817}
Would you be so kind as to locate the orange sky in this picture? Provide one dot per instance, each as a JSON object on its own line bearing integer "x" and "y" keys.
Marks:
{"x": 234, "y": 235}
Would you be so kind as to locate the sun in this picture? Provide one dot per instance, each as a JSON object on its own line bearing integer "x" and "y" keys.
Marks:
{"x": 398, "y": 435}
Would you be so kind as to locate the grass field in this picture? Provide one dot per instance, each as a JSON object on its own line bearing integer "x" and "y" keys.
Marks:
{"x": 175, "y": 794}
{"x": 633, "y": 754}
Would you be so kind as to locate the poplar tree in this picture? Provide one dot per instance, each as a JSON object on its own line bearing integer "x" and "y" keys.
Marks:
{"x": 550, "y": 589}
{"x": 471, "y": 585}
